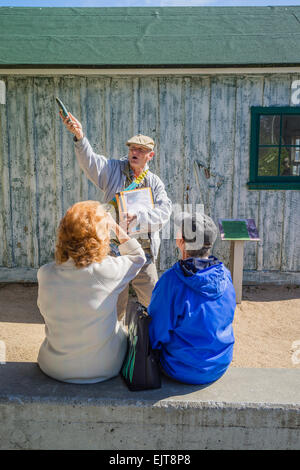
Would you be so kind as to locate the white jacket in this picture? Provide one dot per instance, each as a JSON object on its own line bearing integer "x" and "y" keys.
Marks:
{"x": 84, "y": 341}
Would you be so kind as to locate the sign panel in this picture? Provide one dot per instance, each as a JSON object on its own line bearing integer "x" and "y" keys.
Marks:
{"x": 238, "y": 229}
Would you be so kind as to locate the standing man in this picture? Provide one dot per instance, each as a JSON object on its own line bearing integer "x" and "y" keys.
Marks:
{"x": 113, "y": 176}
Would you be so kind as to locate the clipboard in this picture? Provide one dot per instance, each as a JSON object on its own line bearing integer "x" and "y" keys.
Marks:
{"x": 133, "y": 202}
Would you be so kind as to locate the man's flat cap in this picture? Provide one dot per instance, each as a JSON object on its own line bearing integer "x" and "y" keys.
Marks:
{"x": 143, "y": 140}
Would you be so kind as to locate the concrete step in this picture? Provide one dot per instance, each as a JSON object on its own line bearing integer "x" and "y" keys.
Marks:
{"x": 245, "y": 409}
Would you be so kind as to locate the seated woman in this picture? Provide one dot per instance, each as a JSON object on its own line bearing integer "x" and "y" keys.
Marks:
{"x": 78, "y": 293}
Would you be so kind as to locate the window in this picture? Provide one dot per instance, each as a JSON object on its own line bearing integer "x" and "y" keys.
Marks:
{"x": 275, "y": 148}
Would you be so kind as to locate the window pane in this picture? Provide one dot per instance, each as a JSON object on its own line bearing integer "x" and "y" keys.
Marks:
{"x": 269, "y": 129}
{"x": 290, "y": 161}
{"x": 268, "y": 161}
{"x": 291, "y": 129}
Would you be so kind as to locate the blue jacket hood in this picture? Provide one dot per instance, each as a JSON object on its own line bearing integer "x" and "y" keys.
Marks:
{"x": 209, "y": 278}
{"x": 192, "y": 308}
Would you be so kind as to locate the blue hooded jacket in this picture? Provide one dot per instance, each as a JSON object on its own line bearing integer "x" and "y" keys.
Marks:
{"x": 192, "y": 309}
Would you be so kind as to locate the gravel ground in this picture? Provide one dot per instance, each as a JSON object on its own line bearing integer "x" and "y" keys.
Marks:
{"x": 266, "y": 325}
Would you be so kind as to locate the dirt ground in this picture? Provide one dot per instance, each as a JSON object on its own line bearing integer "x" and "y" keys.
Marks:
{"x": 266, "y": 326}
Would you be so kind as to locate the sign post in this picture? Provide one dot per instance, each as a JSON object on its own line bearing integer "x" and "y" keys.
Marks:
{"x": 237, "y": 231}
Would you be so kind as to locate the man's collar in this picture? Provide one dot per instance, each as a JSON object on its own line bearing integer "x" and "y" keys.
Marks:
{"x": 126, "y": 168}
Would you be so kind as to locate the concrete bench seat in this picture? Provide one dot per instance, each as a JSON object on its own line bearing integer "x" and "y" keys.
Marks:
{"x": 245, "y": 409}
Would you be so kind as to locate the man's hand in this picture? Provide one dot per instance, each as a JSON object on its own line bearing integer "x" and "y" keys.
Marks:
{"x": 73, "y": 125}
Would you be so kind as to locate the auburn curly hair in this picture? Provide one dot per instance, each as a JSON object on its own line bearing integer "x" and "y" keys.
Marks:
{"x": 83, "y": 234}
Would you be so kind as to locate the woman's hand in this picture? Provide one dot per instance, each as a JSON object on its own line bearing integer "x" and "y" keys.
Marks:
{"x": 73, "y": 125}
{"x": 111, "y": 223}
{"x": 129, "y": 218}
{"x": 117, "y": 229}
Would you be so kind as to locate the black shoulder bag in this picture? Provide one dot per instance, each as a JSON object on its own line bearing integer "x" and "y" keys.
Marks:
{"x": 140, "y": 369}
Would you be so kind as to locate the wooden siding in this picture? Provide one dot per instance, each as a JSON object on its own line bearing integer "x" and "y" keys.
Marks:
{"x": 202, "y": 128}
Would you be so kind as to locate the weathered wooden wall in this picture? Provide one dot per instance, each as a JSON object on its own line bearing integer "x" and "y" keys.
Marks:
{"x": 201, "y": 125}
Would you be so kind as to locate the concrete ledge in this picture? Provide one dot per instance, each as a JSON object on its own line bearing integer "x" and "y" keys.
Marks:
{"x": 245, "y": 409}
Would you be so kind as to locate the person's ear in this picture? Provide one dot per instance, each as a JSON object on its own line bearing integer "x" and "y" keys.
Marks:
{"x": 180, "y": 243}
{"x": 150, "y": 156}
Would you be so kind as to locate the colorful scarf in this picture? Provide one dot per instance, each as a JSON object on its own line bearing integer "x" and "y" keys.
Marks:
{"x": 135, "y": 183}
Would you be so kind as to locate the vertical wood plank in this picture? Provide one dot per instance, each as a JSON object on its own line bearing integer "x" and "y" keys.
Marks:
{"x": 148, "y": 116}
{"x": 222, "y": 137}
{"x": 69, "y": 93}
{"x": 58, "y": 129}
{"x": 6, "y": 235}
{"x": 290, "y": 248}
{"x": 276, "y": 93}
{"x": 236, "y": 267}
{"x": 45, "y": 112}
{"x": 171, "y": 154}
{"x": 83, "y": 181}
{"x": 148, "y": 124}
{"x": 245, "y": 203}
{"x": 136, "y": 91}
{"x": 196, "y": 142}
{"x": 23, "y": 171}
{"x": 93, "y": 121}
{"x": 121, "y": 116}
{"x": 290, "y": 235}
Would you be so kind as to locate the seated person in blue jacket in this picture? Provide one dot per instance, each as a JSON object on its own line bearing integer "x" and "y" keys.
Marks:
{"x": 192, "y": 308}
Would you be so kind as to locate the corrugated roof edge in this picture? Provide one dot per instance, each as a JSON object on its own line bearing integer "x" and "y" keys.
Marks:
{"x": 144, "y": 10}
{"x": 150, "y": 37}
{"x": 148, "y": 66}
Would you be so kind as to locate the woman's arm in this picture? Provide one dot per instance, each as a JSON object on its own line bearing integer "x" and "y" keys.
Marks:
{"x": 116, "y": 272}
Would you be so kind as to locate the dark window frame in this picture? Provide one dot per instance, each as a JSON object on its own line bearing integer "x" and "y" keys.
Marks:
{"x": 268, "y": 182}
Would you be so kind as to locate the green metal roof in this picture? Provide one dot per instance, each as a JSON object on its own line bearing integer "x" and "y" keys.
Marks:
{"x": 118, "y": 37}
